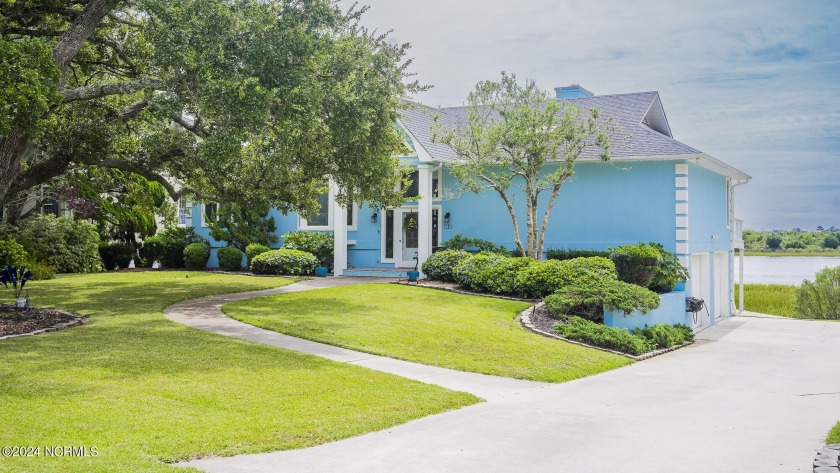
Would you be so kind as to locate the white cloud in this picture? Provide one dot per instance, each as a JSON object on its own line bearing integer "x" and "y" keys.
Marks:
{"x": 752, "y": 82}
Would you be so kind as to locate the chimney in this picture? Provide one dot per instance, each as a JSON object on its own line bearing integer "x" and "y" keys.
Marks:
{"x": 574, "y": 91}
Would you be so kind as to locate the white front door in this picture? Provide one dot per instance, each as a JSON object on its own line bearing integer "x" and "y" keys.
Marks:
{"x": 409, "y": 237}
{"x": 700, "y": 276}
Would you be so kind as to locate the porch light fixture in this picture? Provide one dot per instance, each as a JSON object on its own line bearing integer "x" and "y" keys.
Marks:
{"x": 374, "y": 217}
{"x": 447, "y": 218}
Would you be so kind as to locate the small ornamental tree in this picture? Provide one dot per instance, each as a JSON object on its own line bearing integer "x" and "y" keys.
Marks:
{"x": 517, "y": 135}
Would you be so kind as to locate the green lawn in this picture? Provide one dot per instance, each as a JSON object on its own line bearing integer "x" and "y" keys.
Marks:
{"x": 774, "y": 299}
{"x": 834, "y": 435}
{"x": 433, "y": 327}
{"x": 144, "y": 390}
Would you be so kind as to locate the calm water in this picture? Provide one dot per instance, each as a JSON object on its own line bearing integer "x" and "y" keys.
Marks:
{"x": 783, "y": 269}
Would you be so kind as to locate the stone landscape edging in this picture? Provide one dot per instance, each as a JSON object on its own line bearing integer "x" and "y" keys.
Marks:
{"x": 827, "y": 459}
{"x": 77, "y": 320}
{"x": 524, "y": 318}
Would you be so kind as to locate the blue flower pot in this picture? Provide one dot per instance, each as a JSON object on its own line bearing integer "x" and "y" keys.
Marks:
{"x": 320, "y": 272}
{"x": 413, "y": 276}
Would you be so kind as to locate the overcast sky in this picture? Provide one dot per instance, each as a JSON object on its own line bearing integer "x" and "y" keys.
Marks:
{"x": 753, "y": 83}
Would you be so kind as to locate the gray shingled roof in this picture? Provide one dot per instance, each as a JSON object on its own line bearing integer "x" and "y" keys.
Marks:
{"x": 628, "y": 138}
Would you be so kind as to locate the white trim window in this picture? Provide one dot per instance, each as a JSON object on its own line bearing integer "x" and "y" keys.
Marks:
{"x": 185, "y": 207}
{"x": 323, "y": 220}
{"x": 413, "y": 190}
{"x": 209, "y": 212}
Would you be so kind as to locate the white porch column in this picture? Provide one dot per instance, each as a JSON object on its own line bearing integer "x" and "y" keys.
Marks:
{"x": 424, "y": 224}
{"x": 338, "y": 214}
{"x": 741, "y": 279}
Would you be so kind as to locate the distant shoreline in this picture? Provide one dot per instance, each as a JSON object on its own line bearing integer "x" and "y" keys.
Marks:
{"x": 826, "y": 254}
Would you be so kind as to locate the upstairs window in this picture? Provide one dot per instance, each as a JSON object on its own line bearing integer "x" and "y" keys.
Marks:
{"x": 185, "y": 206}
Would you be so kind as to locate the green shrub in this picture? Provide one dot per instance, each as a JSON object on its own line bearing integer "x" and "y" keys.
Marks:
{"x": 254, "y": 249}
{"x": 12, "y": 253}
{"x": 636, "y": 264}
{"x": 665, "y": 336}
{"x": 173, "y": 242}
{"x": 588, "y": 298}
{"x": 319, "y": 244}
{"x": 462, "y": 272}
{"x": 440, "y": 264}
{"x": 40, "y": 271}
{"x": 152, "y": 250}
{"x": 774, "y": 241}
{"x": 460, "y": 242}
{"x": 820, "y": 299}
{"x": 71, "y": 246}
{"x": 498, "y": 277}
{"x": 542, "y": 278}
{"x": 602, "y": 336}
{"x": 564, "y": 254}
{"x": 116, "y": 254}
{"x": 285, "y": 262}
{"x": 830, "y": 242}
{"x": 196, "y": 255}
{"x": 669, "y": 273}
{"x": 230, "y": 258}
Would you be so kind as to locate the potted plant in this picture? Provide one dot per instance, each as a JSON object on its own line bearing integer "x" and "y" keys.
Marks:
{"x": 14, "y": 279}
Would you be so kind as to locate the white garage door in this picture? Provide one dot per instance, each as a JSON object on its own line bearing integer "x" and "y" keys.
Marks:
{"x": 722, "y": 303}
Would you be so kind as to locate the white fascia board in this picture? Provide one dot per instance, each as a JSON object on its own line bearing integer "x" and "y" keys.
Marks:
{"x": 422, "y": 155}
{"x": 702, "y": 159}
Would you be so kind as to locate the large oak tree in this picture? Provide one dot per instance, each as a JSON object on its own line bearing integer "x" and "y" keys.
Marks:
{"x": 232, "y": 100}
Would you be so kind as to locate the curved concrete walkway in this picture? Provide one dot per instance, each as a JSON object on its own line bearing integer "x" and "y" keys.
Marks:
{"x": 206, "y": 314}
{"x": 752, "y": 395}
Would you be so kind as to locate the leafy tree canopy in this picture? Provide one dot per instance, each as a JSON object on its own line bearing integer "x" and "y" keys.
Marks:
{"x": 238, "y": 101}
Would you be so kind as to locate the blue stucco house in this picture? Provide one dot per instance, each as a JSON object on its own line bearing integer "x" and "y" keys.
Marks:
{"x": 655, "y": 189}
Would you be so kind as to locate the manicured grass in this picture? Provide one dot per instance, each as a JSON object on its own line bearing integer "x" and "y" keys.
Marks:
{"x": 801, "y": 253}
{"x": 462, "y": 332}
{"x": 144, "y": 390}
{"x": 774, "y": 299}
{"x": 834, "y": 435}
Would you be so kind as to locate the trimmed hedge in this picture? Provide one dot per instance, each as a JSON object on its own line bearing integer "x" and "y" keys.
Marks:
{"x": 498, "y": 277}
{"x": 254, "y": 249}
{"x": 666, "y": 336}
{"x": 196, "y": 255}
{"x": 545, "y": 277}
{"x": 588, "y": 299}
{"x": 173, "y": 242}
{"x": 230, "y": 258}
{"x": 636, "y": 264}
{"x": 285, "y": 262}
{"x": 460, "y": 242}
{"x": 152, "y": 250}
{"x": 319, "y": 244}
{"x": 463, "y": 272}
{"x": 564, "y": 254}
{"x": 669, "y": 272}
{"x": 612, "y": 338}
{"x": 440, "y": 264}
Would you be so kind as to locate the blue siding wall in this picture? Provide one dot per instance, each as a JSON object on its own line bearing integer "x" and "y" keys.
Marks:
{"x": 604, "y": 204}
{"x": 707, "y": 211}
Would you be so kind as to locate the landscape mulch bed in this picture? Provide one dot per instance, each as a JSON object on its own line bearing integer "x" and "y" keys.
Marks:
{"x": 14, "y": 322}
{"x": 541, "y": 319}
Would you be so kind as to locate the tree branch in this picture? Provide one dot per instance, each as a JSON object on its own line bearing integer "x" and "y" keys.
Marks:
{"x": 80, "y": 30}
{"x": 102, "y": 90}
{"x": 131, "y": 111}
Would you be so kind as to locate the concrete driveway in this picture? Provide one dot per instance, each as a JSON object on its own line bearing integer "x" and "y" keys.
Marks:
{"x": 752, "y": 395}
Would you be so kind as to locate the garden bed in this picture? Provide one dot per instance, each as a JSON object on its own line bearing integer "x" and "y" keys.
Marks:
{"x": 34, "y": 321}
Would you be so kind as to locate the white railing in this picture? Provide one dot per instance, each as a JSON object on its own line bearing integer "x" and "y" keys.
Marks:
{"x": 738, "y": 234}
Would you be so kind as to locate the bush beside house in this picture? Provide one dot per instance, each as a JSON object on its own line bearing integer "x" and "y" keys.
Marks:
{"x": 253, "y": 250}
{"x": 230, "y": 258}
{"x": 196, "y": 255}
{"x": 117, "y": 254}
{"x": 319, "y": 244}
{"x": 285, "y": 262}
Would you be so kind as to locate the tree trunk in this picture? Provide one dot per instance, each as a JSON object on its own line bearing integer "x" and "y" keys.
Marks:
{"x": 513, "y": 219}
{"x": 551, "y": 201}
{"x": 11, "y": 151}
